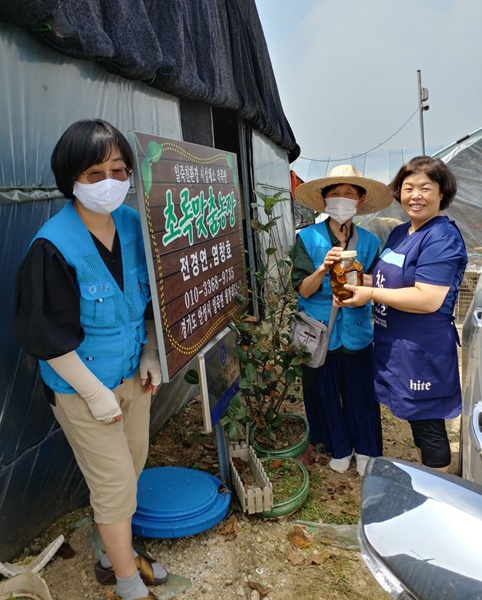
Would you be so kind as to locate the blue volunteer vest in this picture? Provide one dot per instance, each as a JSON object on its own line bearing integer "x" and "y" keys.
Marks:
{"x": 112, "y": 319}
{"x": 353, "y": 326}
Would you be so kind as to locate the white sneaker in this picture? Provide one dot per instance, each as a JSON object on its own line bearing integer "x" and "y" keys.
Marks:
{"x": 340, "y": 465}
{"x": 361, "y": 463}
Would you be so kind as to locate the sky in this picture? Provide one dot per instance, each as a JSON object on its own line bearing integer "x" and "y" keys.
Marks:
{"x": 347, "y": 71}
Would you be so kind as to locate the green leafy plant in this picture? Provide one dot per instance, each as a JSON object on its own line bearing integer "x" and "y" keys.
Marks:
{"x": 235, "y": 419}
{"x": 270, "y": 365}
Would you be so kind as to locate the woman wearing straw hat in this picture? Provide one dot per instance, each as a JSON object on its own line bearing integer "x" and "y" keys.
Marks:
{"x": 339, "y": 396}
{"x": 417, "y": 280}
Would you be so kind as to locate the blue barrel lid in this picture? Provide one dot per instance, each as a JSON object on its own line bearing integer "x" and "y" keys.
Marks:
{"x": 175, "y": 502}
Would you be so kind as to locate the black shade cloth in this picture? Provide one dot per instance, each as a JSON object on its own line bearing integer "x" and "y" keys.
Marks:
{"x": 211, "y": 51}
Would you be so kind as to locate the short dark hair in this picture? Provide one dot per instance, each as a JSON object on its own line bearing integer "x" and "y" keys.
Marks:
{"x": 327, "y": 188}
{"x": 83, "y": 144}
{"x": 435, "y": 169}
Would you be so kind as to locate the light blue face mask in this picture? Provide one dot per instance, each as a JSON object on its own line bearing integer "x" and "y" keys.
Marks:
{"x": 340, "y": 209}
{"x": 102, "y": 197}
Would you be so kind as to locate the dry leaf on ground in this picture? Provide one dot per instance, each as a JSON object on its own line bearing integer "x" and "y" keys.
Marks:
{"x": 318, "y": 559}
{"x": 230, "y": 530}
{"x": 295, "y": 558}
{"x": 298, "y": 537}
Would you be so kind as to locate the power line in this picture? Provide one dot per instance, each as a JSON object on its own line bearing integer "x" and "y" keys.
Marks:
{"x": 368, "y": 151}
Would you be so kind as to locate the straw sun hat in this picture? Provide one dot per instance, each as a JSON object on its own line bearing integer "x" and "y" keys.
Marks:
{"x": 377, "y": 193}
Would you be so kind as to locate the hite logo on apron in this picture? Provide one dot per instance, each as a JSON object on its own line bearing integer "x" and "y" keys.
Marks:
{"x": 420, "y": 385}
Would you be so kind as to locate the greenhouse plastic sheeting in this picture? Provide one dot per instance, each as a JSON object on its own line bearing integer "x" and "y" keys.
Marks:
{"x": 465, "y": 160}
{"x": 42, "y": 93}
{"x": 38, "y": 477}
{"x": 210, "y": 51}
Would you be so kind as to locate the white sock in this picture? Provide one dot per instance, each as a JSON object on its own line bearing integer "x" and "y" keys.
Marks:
{"x": 130, "y": 588}
{"x": 159, "y": 571}
{"x": 340, "y": 465}
{"x": 361, "y": 463}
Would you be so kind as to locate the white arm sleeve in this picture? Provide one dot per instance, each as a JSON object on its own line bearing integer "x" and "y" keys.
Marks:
{"x": 101, "y": 401}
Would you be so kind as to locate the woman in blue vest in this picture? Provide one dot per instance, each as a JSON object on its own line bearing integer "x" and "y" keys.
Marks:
{"x": 416, "y": 283}
{"x": 81, "y": 298}
{"x": 339, "y": 396}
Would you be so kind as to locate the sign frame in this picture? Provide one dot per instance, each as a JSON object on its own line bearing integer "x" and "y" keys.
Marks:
{"x": 217, "y": 357}
{"x": 196, "y": 263}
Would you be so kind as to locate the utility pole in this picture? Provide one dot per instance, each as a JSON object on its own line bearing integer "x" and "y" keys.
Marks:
{"x": 422, "y": 97}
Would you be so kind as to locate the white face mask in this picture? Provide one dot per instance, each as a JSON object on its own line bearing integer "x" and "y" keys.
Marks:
{"x": 102, "y": 197}
{"x": 341, "y": 210}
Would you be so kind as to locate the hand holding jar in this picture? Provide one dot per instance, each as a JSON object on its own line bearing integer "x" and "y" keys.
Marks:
{"x": 347, "y": 270}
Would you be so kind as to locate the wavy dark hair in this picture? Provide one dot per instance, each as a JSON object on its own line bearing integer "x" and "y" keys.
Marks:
{"x": 86, "y": 143}
{"x": 435, "y": 169}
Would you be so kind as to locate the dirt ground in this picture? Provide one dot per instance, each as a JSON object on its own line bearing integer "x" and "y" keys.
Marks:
{"x": 242, "y": 557}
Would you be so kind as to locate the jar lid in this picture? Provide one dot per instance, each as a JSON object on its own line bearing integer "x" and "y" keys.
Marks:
{"x": 348, "y": 254}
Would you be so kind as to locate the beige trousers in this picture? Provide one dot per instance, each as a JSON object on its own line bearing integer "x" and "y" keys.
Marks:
{"x": 110, "y": 456}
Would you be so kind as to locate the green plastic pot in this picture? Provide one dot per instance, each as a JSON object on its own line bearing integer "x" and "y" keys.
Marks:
{"x": 294, "y": 502}
{"x": 291, "y": 451}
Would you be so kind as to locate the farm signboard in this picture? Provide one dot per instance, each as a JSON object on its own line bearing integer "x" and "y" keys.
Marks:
{"x": 190, "y": 209}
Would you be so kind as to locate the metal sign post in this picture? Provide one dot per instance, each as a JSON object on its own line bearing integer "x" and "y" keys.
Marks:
{"x": 219, "y": 374}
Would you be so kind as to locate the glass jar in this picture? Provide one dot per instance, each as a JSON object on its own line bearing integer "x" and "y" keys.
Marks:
{"x": 347, "y": 270}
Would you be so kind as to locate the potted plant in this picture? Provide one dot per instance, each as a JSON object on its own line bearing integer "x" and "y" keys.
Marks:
{"x": 270, "y": 365}
{"x": 290, "y": 485}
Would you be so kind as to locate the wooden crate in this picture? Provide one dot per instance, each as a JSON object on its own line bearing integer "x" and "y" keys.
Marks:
{"x": 253, "y": 499}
